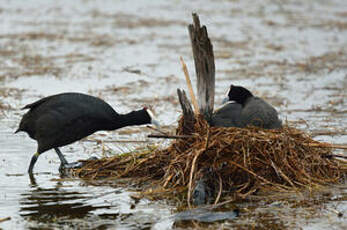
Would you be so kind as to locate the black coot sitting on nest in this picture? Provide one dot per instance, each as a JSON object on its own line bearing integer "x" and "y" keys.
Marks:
{"x": 248, "y": 110}
{"x": 227, "y": 116}
{"x": 62, "y": 119}
{"x": 241, "y": 109}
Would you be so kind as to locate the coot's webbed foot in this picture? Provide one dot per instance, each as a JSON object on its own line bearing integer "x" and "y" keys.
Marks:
{"x": 64, "y": 168}
{"x": 68, "y": 166}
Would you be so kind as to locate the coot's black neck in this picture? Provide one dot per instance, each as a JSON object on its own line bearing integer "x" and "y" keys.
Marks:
{"x": 139, "y": 117}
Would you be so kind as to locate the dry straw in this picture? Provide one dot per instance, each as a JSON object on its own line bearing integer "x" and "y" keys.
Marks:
{"x": 232, "y": 161}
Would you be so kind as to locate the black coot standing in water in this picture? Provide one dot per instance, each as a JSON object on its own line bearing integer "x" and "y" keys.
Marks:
{"x": 62, "y": 119}
{"x": 255, "y": 111}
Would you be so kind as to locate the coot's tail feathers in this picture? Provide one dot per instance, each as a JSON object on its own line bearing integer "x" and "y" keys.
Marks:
{"x": 278, "y": 124}
{"x": 26, "y": 107}
{"x": 32, "y": 105}
{"x": 37, "y": 103}
{"x": 18, "y": 130}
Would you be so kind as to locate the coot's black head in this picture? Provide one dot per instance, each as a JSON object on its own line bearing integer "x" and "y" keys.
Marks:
{"x": 151, "y": 117}
{"x": 238, "y": 94}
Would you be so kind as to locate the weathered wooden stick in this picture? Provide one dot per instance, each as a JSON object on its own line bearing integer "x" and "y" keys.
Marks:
{"x": 334, "y": 155}
{"x": 338, "y": 213}
{"x": 204, "y": 66}
{"x": 188, "y": 114}
{"x": 114, "y": 141}
{"x": 5, "y": 219}
{"x": 158, "y": 130}
{"x": 190, "y": 88}
{"x": 170, "y": 136}
{"x": 185, "y": 104}
{"x": 327, "y": 145}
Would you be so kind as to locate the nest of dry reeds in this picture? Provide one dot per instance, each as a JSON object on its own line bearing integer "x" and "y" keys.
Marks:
{"x": 231, "y": 160}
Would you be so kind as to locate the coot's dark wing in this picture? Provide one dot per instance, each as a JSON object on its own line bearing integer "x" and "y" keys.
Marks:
{"x": 65, "y": 118}
{"x": 259, "y": 113}
{"x": 227, "y": 116}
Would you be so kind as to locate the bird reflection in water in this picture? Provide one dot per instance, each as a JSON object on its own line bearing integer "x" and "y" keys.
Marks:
{"x": 45, "y": 204}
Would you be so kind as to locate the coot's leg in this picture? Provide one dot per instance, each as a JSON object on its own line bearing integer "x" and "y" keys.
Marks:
{"x": 32, "y": 162}
{"x": 64, "y": 164}
{"x": 61, "y": 157}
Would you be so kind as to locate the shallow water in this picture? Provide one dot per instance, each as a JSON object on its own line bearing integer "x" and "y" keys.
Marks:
{"x": 292, "y": 54}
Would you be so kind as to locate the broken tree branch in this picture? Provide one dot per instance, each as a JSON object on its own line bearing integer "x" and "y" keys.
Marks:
{"x": 188, "y": 114}
{"x": 170, "y": 136}
{"x": 204, "y": 66}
